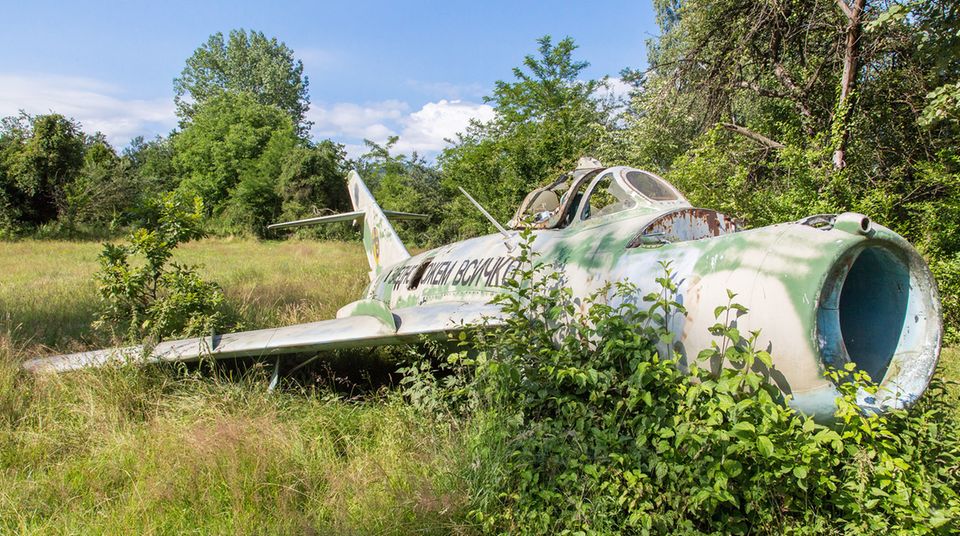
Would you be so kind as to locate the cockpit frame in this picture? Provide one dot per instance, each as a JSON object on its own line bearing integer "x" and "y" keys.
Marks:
{"x": 543, "y": 208}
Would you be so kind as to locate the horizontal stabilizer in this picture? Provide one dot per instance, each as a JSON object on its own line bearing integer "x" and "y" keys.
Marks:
{"x": 395, "y": 215}
{"x": 346, "y": 216}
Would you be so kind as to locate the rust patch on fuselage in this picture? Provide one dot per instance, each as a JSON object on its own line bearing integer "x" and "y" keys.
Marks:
{"x": 685, "y": 224}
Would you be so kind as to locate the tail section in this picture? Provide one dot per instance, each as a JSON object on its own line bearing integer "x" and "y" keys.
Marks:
{"x": 383, "y": 246}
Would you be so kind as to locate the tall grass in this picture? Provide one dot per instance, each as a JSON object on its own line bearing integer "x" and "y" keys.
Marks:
{"x": 157, "y": 450}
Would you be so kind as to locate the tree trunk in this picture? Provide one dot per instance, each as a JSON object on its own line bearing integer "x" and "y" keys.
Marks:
{"x": 848, "y": 80}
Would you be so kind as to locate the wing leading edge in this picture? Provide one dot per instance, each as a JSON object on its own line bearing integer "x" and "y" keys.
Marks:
{"x": 365, "y": 323}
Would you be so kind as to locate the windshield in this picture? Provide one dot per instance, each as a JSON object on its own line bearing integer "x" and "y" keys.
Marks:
{"x": 650, "y": 186}
{"x": 606, "y": 197}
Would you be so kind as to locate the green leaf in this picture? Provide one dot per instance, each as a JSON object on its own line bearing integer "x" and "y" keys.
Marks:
{"x": 765, "y": 446}
{"x": 744, "y": 430}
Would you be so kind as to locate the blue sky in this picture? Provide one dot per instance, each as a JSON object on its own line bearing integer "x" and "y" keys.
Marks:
{"x": 414, "y": 69}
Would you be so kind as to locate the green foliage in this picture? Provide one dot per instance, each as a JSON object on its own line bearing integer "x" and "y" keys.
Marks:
{"x": 943, "y": 105}
{"x": 55, "y": 180}
{"x": 595, "y": 426}
{"x": 244, "y": 63}
{"x": 313, "y": 178}
{"x": 153, "y": 160}
{"x": 145, "y": 296}
{"x": 313, "y": 182}
{"x": 40, "y": 156}
{"x": 547, "y": 118}
{"x": 737, "y": 176}
{"x": 774, "y": 68}
{"x": 547, "y": 88}
{"x": 234, "y": 139}
{"x": 254, "y": 202}
{"x": 407, "y": 184}
{"x": 102, "y": 193}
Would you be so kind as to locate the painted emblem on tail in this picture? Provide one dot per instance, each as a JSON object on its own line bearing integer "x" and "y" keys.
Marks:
{"x": 375, "y": 239}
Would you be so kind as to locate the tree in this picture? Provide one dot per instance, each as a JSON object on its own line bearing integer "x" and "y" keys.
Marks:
{"x": 406, "y": 184}
{"x": 106, "y": 192}
{"x": 772, "y": 110}
{"x": 313, "y": 179}
{"x": 840, "y": 84}
{"x": 547, "y": 118}
{"x": 230, "y": 135}
{"x": 245, "y": 62}
{"x": 146, "y": 297}
{"x": 42, "y": 155}
{"x": 98, "y": 151}
{"x": 153, "y": 160}
{"x": 547, "y": 87}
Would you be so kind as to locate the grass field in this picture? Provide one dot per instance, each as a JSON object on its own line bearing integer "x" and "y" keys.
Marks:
{"x": 150, "y": 451}
{"x": 47, "y": 294}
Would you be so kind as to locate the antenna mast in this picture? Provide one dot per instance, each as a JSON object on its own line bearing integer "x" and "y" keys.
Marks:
{"x": 483, "y": 211}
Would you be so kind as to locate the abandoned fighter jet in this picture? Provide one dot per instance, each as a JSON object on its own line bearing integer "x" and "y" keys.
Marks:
{"x": 822, "y": 291}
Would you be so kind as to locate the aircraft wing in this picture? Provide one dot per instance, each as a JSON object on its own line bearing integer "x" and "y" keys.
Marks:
{"x": 361, "y": 323}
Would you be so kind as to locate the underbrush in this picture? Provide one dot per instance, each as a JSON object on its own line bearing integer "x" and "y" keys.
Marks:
{"x": 588, "y": 425}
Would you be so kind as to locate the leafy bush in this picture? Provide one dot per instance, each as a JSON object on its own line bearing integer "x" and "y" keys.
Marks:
{"x": 253, "y": 203}
{"x": 145, "y": 296}
{"x": 592, "y": 426}
{"x": 104, "y": 193}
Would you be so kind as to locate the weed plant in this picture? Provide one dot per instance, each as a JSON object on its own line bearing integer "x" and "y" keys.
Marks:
{"x": 589, "y": 423}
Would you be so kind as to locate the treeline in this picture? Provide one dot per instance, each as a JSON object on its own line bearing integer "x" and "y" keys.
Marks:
{"x": 241, "y": 146}
{"x": 768, "y": 111}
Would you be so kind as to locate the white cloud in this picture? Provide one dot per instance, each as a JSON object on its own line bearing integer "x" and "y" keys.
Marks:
{"x": 98, "y": 106}
{"x": 346, "y": 119}
{"x": 423, "y": 131}
{"x": 615, "y": 89}
{"x": 426, "y": 130}
{"x": 104, "y": 107}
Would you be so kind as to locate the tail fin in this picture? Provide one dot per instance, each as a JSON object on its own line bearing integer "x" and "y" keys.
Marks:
{"x": 383, "y": 246}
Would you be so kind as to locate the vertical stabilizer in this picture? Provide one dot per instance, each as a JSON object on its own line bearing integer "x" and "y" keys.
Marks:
{"x": 383, "y": 246}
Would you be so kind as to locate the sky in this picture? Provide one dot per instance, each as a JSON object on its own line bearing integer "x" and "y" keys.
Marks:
{"x": 414, "y": 69}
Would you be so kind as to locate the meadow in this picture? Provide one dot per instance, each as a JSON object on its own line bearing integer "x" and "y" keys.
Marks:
{"x": 159, "y": 450}
{"x": 163, "y": 451}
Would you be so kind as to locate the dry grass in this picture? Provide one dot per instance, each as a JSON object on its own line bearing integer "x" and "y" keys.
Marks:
{"x": 150, "y": 451}
{"x": 48, "y": 296}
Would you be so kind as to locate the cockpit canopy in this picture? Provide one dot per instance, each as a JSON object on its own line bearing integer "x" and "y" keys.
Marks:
{"x": 592, "y": 192}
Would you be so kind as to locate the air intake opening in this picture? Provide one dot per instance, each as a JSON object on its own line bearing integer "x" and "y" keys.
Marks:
{"x": 879, "y": 309}
{"x": 872, "y": 309}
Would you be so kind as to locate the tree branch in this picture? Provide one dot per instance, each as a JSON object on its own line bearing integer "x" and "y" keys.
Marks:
{"x": 763, "y": 92}
{"x": 846, "y": 9}
{"x": 759, "y": 138}
{"x": 798, "y": 94}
